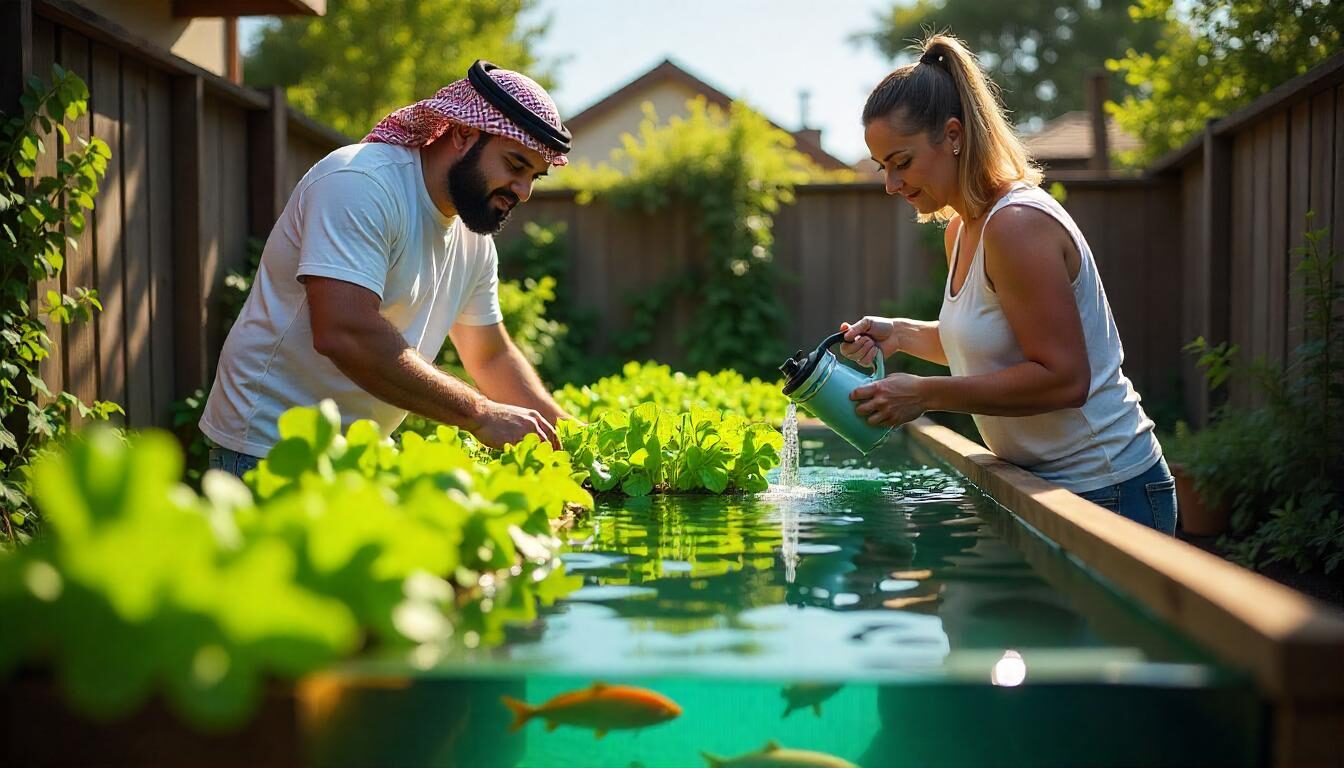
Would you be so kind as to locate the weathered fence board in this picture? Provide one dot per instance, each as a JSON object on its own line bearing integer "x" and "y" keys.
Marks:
{"x": 52, "y": 368}
{"x": 105, "y": 103}
{"x": 80, "y": 270}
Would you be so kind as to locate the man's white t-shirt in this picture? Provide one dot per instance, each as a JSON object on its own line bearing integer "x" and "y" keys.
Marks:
{"x": 361, "y": 215}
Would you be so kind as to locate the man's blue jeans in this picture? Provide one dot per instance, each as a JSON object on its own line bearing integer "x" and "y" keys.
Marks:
{"x": 233, "y": 462}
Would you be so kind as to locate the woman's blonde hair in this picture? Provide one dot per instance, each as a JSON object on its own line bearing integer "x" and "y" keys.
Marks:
{"x": 947, "y": 82}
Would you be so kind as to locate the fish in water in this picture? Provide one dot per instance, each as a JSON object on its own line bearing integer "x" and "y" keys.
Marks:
{"x": 774, "y": 756}
{"x": 804, "y": 695}
{"x": 602, "y": 707}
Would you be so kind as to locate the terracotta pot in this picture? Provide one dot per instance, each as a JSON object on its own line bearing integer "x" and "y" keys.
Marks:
{"x": 1195, "y": 517}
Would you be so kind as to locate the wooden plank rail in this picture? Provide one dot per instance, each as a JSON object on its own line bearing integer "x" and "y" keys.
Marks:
{"x": 1292, "y": 645}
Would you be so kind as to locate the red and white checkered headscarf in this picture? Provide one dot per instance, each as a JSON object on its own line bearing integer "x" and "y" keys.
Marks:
{"x": 424, "y": 121}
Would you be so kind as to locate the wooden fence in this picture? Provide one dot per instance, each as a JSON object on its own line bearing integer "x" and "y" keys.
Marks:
{"x": 838, "y": 246}
{"x": 1246, "y": 186}
{"x": 198, "y": 166}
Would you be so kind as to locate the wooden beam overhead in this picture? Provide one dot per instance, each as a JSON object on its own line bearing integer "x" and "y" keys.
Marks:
{"x": 192, "y": 8}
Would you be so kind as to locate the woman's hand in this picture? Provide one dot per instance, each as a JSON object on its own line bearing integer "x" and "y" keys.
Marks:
{"x": 891, "y": 402}
{"x": 865, "y": 338}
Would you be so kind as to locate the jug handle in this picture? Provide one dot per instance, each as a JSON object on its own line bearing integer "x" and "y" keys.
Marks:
{"x": 879, "y": 367}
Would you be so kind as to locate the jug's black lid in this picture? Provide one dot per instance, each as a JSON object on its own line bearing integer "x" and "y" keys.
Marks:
{"x": 801, "y": 365}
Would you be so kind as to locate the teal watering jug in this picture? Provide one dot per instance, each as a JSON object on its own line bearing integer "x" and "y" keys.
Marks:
{"x": 821, "y": 385}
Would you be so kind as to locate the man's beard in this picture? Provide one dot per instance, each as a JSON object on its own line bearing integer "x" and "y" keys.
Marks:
{"x": 471, "y": 196}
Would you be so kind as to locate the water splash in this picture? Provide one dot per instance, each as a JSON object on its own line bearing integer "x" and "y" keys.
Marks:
{"x": 788, "y": 468}
{"x": 788, "y": 550}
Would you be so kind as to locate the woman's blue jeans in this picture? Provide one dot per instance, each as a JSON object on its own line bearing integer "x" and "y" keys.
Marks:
{"x": 1149, "y": 499}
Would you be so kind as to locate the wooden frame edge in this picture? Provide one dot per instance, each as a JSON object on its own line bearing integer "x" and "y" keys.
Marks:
{"x": 1291, "y": 643}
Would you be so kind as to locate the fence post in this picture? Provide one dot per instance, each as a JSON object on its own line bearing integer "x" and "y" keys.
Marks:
{"x": 1216, "y": 261}
{"x": 267, "y": 136}
{"x": 16, "y": 66}
{"x": 16, "y": 61}
{"x": 1098, "y": 91}
{"x": 189, "y": 311}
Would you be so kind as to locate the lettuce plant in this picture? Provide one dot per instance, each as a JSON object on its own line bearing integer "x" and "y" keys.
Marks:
{"x": 651, "y": 449}
{"x": 340, "y": 543}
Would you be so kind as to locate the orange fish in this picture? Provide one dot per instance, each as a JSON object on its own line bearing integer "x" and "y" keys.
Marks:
{"x": 602, "y": 708}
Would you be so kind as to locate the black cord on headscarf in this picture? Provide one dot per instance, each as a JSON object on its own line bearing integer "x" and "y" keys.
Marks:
{"x": 557, "y": 138}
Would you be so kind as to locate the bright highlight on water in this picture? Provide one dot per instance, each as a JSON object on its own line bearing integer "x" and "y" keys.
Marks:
{"x": 788, "y": 468}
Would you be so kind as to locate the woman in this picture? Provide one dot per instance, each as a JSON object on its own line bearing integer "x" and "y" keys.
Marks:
{"x": 1025, "y": 326}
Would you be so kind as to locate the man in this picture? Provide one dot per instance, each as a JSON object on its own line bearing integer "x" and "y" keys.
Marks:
{"x": 383, "y": 249}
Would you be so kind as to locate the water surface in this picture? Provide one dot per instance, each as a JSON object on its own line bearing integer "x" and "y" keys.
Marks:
{"x": 933, "y": 626}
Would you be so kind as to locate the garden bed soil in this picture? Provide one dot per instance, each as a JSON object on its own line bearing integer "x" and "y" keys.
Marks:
{"x": 1328, "y": 588}
{"x": 40, "y": 729}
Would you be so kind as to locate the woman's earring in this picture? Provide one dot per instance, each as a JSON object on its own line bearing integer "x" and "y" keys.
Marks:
{"x": 956, "y": 150}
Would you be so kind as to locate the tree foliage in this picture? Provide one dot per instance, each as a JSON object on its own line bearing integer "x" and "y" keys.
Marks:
{"x": 1038, "y": 51}
{"x": 1214, "y": 57}
{"x": 365, "y": 58}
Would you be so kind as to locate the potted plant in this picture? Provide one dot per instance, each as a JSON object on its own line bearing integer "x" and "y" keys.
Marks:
{"x": 1198, "y": 515}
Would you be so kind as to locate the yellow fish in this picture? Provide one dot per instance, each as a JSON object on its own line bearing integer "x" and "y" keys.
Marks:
{"x": 774, "y": 756}
{"x": 602, "y": 707}
{"x": 804, "y": 695}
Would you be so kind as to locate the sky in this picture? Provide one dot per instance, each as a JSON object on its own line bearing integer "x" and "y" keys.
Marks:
{"x": 761, "y": 51}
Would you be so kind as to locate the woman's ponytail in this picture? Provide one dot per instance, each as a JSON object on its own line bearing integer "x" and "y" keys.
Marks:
{"x": 947, "y": 82}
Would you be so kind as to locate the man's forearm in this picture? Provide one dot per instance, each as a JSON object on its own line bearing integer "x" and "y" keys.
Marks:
{"x": 508, "y": 377}
{"x": 379, "y": 360}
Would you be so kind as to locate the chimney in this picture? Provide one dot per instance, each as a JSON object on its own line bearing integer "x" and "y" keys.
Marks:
{"x": 1097, "y": 87}
{"x": 233, "y": 62}
{"x": 809, "y": 136}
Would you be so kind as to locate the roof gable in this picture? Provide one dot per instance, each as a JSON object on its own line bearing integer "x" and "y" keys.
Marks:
{"x": 1069, "y": 137}
{"x": 666, "y": 72}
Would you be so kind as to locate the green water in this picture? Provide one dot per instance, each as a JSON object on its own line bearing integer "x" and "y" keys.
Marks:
{"x": 935, "y": 628}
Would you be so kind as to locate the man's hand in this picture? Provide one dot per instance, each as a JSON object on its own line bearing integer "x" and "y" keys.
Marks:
{"x": 502, "y": 424}
{"x": 500, "y": 370}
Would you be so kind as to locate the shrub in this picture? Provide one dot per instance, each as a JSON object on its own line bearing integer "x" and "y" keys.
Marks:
{"x": 1279, "y": 466}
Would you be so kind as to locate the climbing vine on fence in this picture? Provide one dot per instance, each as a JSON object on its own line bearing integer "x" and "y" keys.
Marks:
{"x": 39, "y": 215}
{"x": 734, "y": 169}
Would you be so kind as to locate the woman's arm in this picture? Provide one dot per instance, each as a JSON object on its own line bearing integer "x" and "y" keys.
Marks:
{"x": 865, "y": 337}
{"x": 918, "y": 338}
{"x": 1025, "y": 252}
{"x": 1026, "y": 260}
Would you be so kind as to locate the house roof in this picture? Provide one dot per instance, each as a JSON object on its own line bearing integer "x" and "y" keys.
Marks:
{"x": 1069, "y": 137}
{"x": 667, "y": 71}
{"x": 189, "y": 8}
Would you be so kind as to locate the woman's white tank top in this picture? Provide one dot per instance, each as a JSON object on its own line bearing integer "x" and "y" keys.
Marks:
{"x": 1110, "y": 439}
